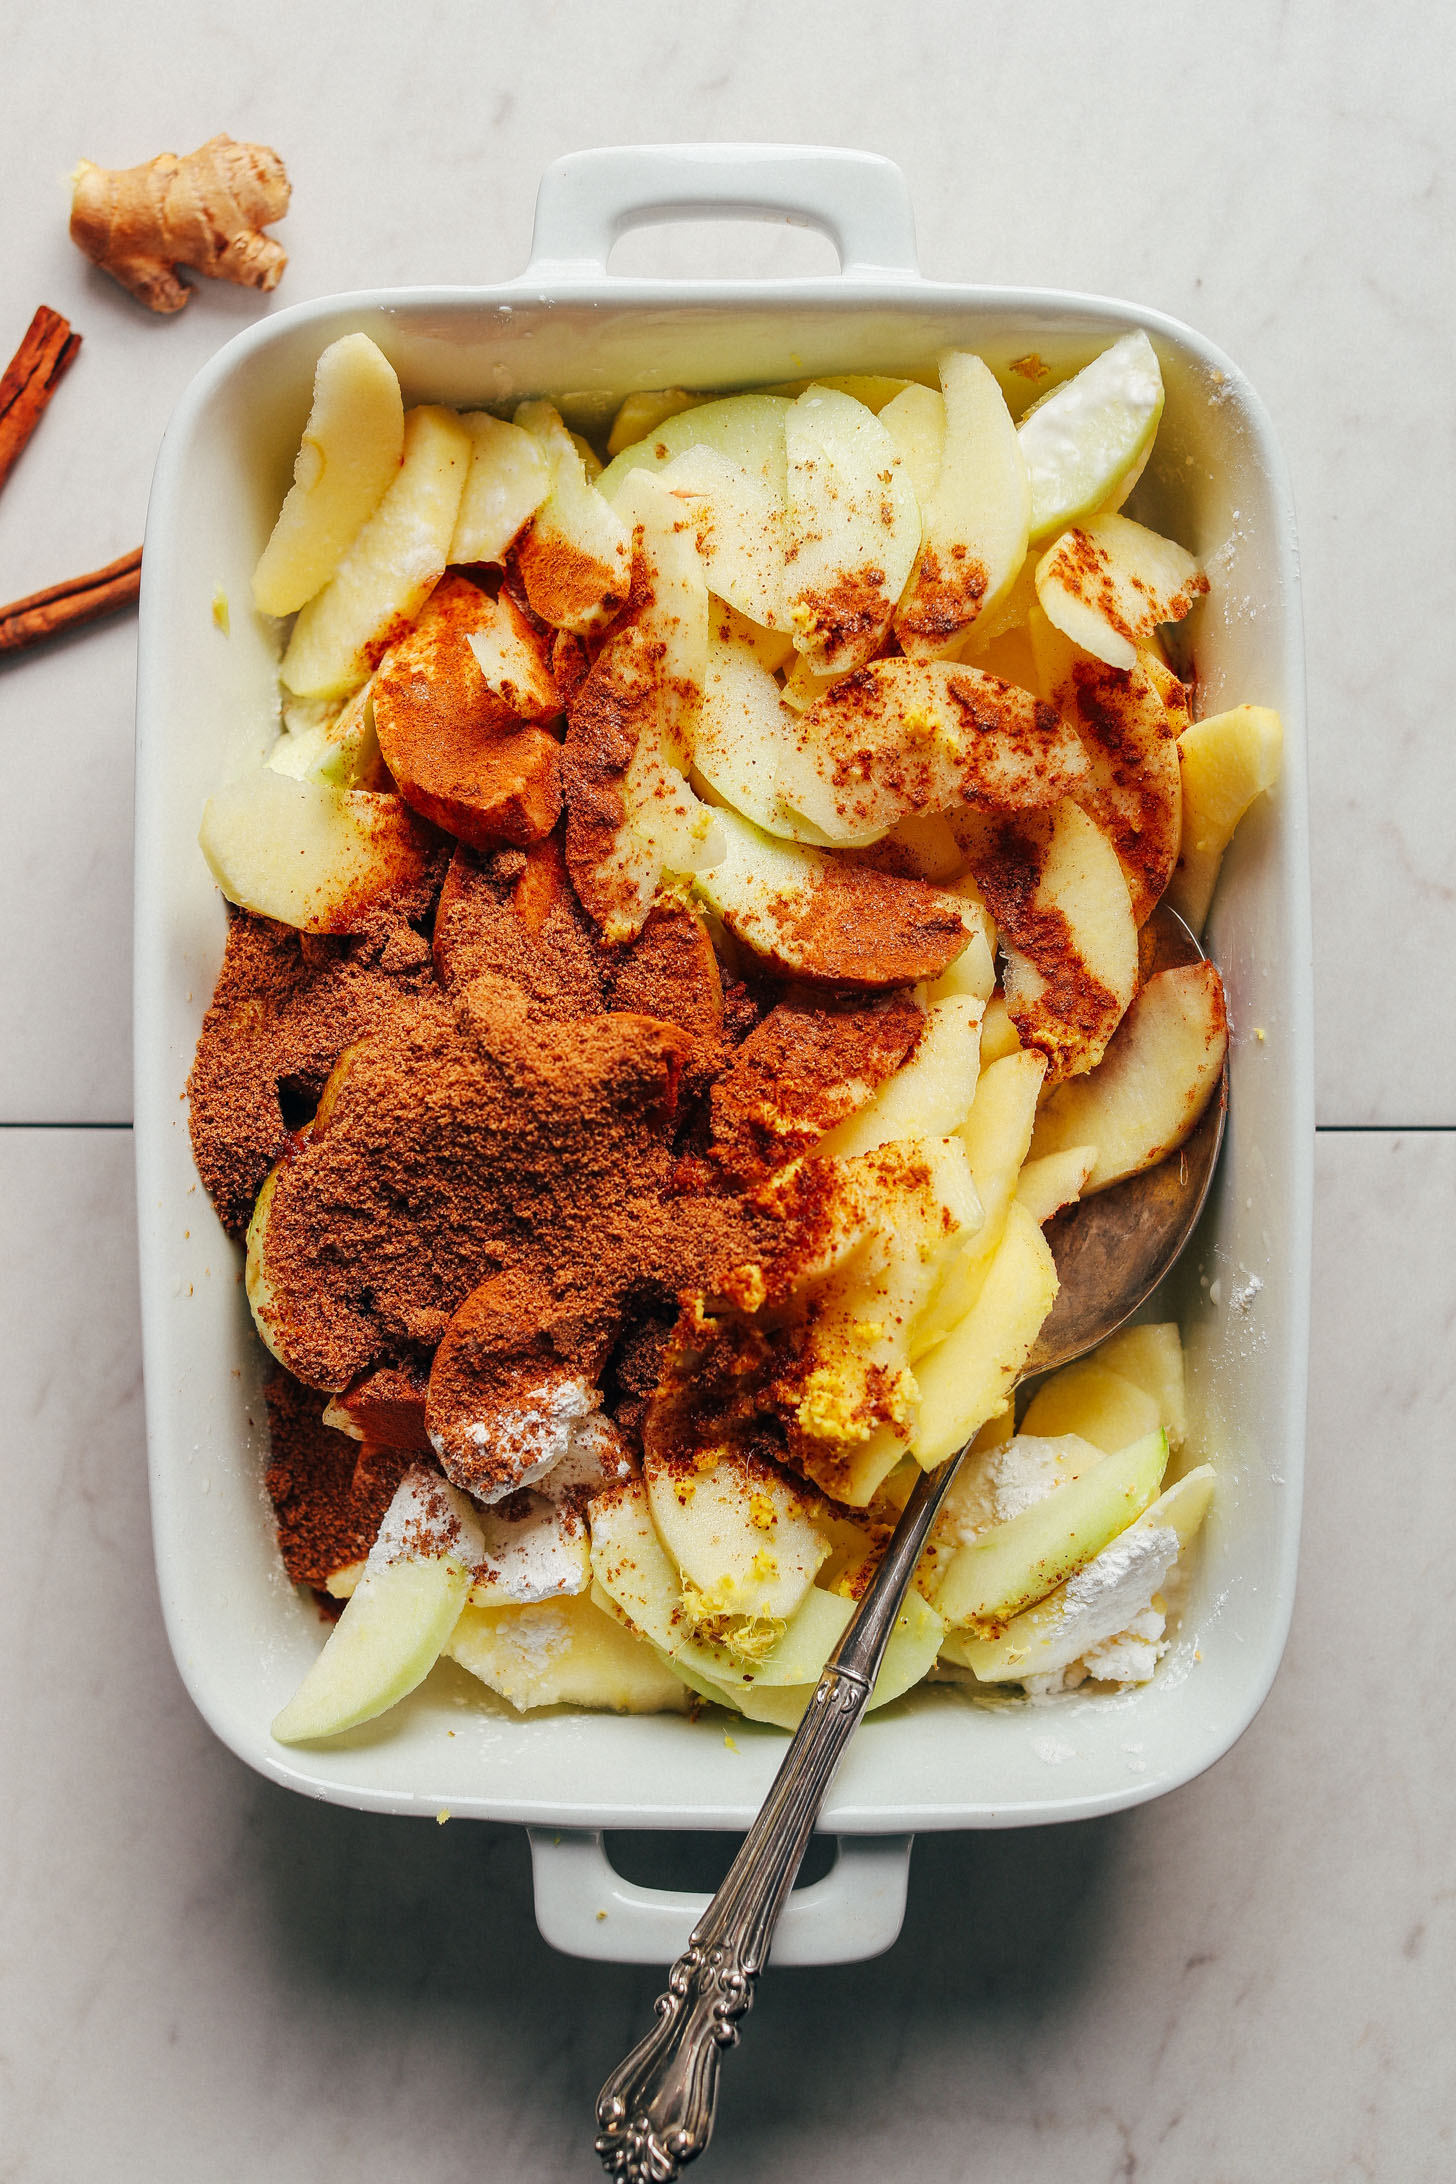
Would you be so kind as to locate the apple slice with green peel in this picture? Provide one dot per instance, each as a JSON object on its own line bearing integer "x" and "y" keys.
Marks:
{"x": 566, "y": 1652}
{"x": 1056, "y": 888}
{"x": 312, "y": 856}
{"x": 975, "y": 521}
{"x": 351, "y": 452}
{"x": 741, "y": 1535}
{"x": 852, "y": 530}
{"x": 341, "y": 749}
{"x": 795, "y": 1654}
{"x": 929, "y": 1095}
{"x": 915, "y": 421}
{"x": 1144, "y": 1098}
{"x": 917, "y": 738}
{"x": 1085, "y": 442}
{"x": 814, "y": 917}
{"x": 1054, "y": 1180}
{"x": 1226, "y": 762}
{"x": 1151, "y": 1357}
{"x": 1005, "y": 1473}
{"x": 993, "y": 1577}
{"x": 398, "y": 1617}
{"x": 576, "y": 558}
{"x": 1093, "y": 1401}
{"x": 1109, "y": 583}
{"x": 390, "y": 568}
{"x": 748, "y": 429}
{"x": 640, "y": 415}
{"x": 914, "y": 1643}
{"x": 508, "y": 479}
{"x": 1102, "y": 1597}
{"x": 966, "y": 1379}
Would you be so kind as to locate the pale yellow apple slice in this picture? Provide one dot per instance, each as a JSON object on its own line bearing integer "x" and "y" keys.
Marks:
{"x": 350, "y": 454}
{"x": 1151, "y": 1357}
{"x": 341, "y": 749}
{"x": 1005, "y": 1568}
{"x": 399, "y": 1616}
{"x": 1095, "y": 1402}
{"x": 739, "y": 527}
{"x": 1057, "y": 891}
{"x": 310, "y": 855}
{"x": 740, "y": 736}
{"x": 874, "y": 389}
{"x": 640, "y": 414}
{"x": 1101, "y": 1598}
{"x": 929, "y": 1095}
{"x": 1127, "y": 731}
{"x": 995, "y": 1134}
{"x": 852, "y": 530}
{"x": 389, "y": 570}
{"x": 630, "y": 1567}
{"x": 817, "y": 918}
{"x": 999, "y": 1035}
{"x": 566, "y": 1652}
{"x": 1085, "y": 443}
{"x": 1054, "y": 1180}
{"x": 975, "y": 522}
{"x": 1158, "y": 1074}
{"x": 747, "y": 429}
{"x": 1109, "y": 583}
{"x": 576, "y": 557}
{"x": 910, "y": 738}
{"x": 1226, "y": 762}
{"x": 966, "y": 1379}
{"x": 796, "y": 1654}
{"x": 741, "y": 1535}
{"x": 508, "y": 478}
{"x": 1005, "y": 1472}
{"x": 915, "y": 421}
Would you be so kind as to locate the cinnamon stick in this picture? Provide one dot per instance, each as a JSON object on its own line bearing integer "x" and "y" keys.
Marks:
{"x": 31, "y": 378}
{"x": 44, "y": 614}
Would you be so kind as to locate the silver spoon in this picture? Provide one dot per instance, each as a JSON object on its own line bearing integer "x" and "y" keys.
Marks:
{"x": 655, "y": 2112}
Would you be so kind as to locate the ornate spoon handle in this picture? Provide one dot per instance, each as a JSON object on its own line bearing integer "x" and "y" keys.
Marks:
{"x": 655, "y": 2112}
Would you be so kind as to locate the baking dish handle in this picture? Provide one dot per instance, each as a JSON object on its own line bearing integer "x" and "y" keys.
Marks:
{"x": 588, "y": 200}
{"x": 585, "y": 1908}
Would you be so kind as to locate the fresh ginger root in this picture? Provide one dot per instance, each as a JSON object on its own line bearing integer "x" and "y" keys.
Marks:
{"x": 206, "y": 211}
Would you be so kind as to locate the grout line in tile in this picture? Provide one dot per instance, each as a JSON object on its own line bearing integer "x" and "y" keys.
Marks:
{"x": 65, "y": 1126}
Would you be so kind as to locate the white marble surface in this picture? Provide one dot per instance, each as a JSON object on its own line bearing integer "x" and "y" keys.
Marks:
{"x": 1248, "y": 1980}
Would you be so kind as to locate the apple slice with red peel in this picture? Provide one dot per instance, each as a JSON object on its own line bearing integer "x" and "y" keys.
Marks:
{"x": 1159, "y": 1072}
{"x": 398, "y": 1617}
{"x": 1109, "y": 583}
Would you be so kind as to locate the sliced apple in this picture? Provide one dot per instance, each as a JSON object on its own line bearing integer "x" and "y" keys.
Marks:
{"x": 390, "y": 568}
{"x": 975, "y": 522}
{"x": 1010, "y": 1565}
{"x": 641, "y": 413}
{"x": 930, "y": 1094}
{"x": 748, "y": 429}
{"x": 816, "y": 918}
{"x": 1126, "y": 728}
{"x": 350, "y": 454}
{"x": 999, "y": 1035}
{"x": 312, "y": 856}
{"x": 576, "y": 558}
{"x": 966, "y": 1379}
{"x": 1151, "y": 1357}
{"x": 341, "y": 748}
{"x": 1160, "y": 1070}
{"x": 1056, "y": 889}
{"x": 915, "y": 421}
{"x": 1054, "y": 1180}
{"x": 1101, "y": 1598}
{"x": 1109, "y": 583}
{"x": 398, "y": 1617}
{"x": 508, "y": 479}
{"x": 741, "y": 735}
{"x": 565, "y": 1652}
{"x": 740, "y": 1533}
{"x": 739, "y": 527}
{"x": 1006, "y": 1472}
{"x": 804, "y": 1069}
{"x": 913, "y": 1646}
{"x": 630, "y": 1567}
{"x": 1226, "y": 762}
{"x": 1085, "y": 442}
{"x": 852, "y": 531}
{"x": 533, "y": 1549}
{"x": 995, "y": 1133}
{"x": 1091, "y": 1400}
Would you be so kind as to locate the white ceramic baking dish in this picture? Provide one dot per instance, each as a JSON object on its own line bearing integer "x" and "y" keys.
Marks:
{"x": 568, "y": 329}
